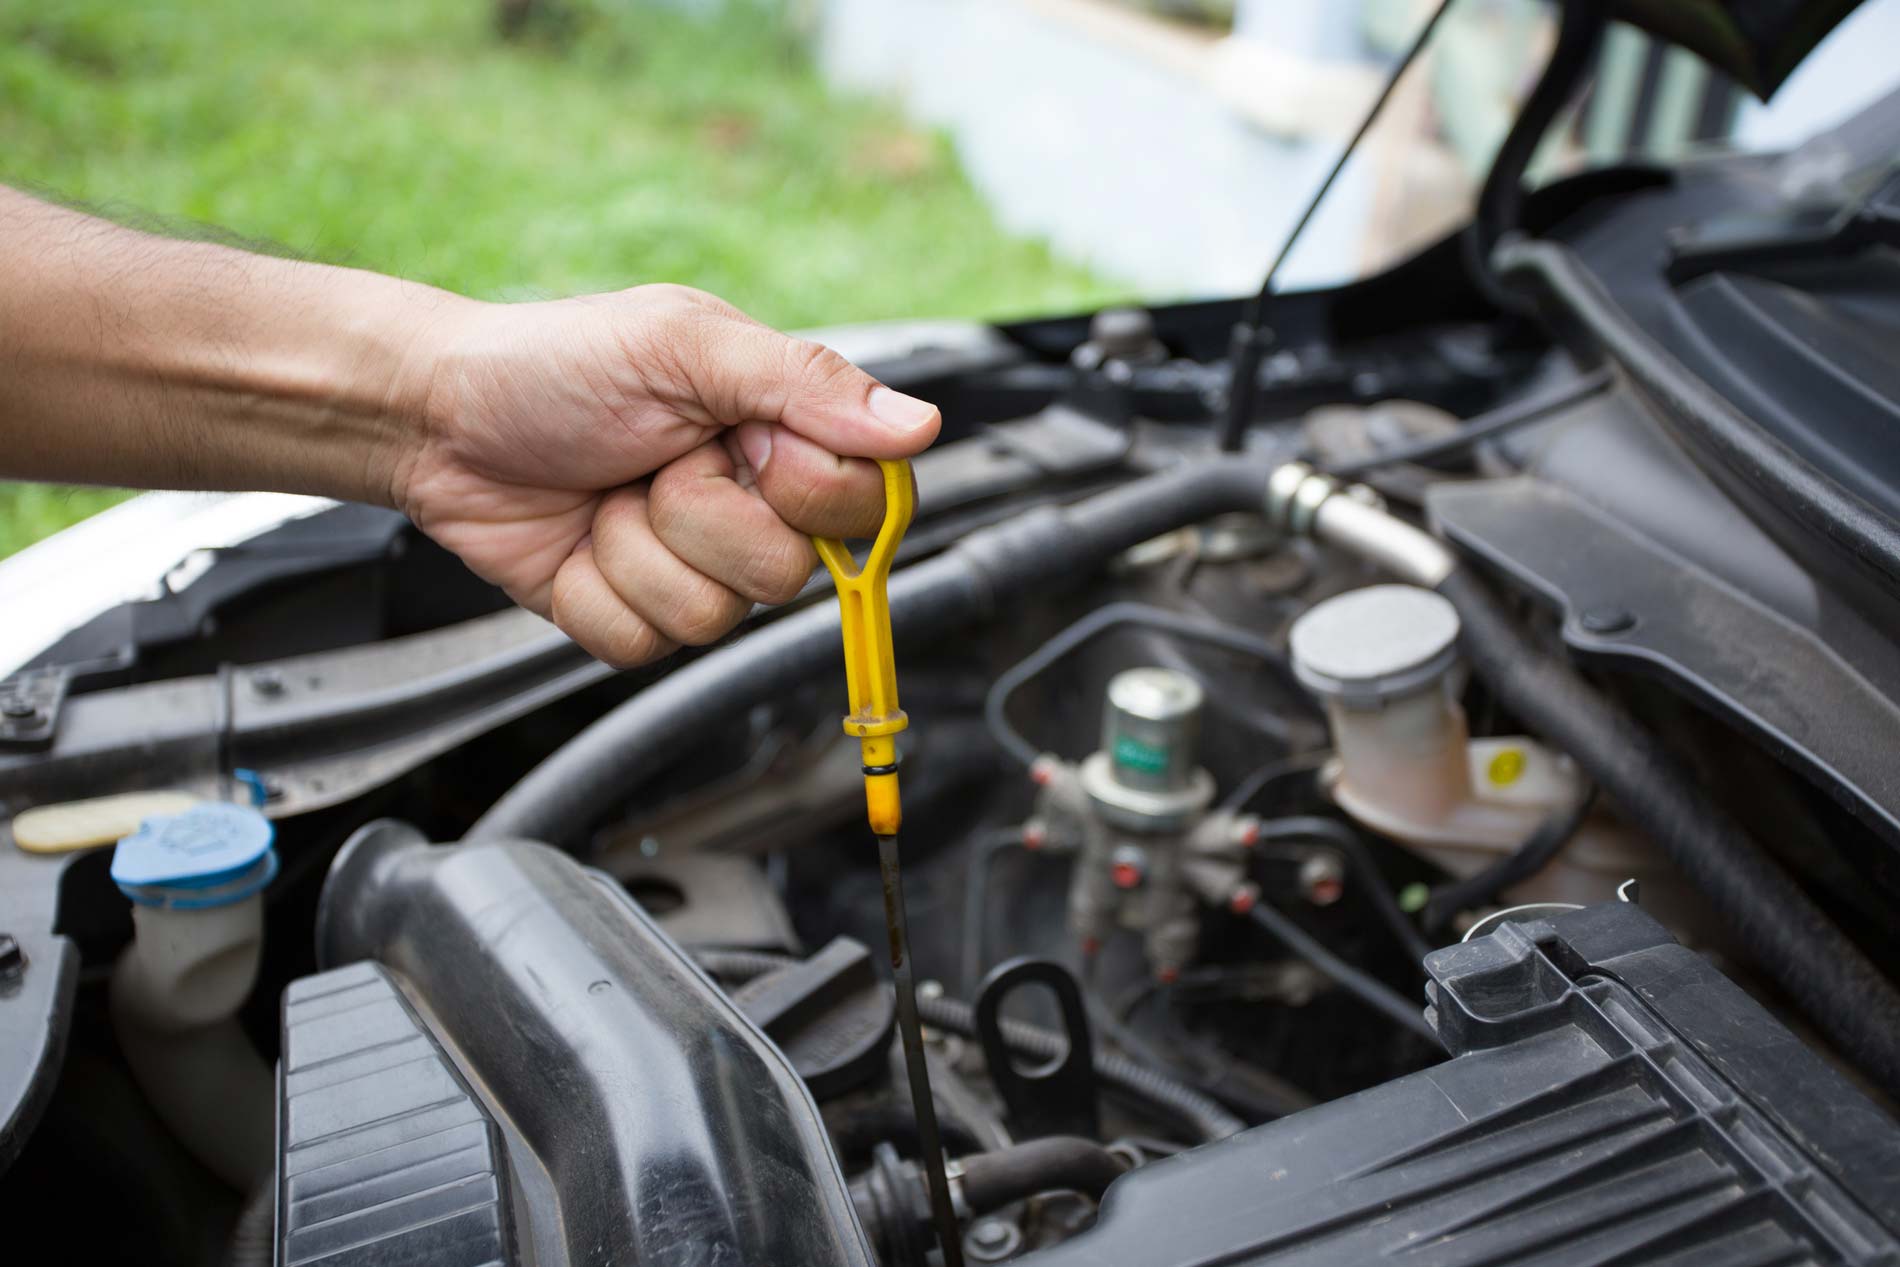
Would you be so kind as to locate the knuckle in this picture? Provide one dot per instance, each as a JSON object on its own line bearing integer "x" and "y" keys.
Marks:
{"x": 671, "y": 297}
{"x": 815, "y": 364}
{"x": 797, "y": 502}
{"x": 782, "y": 569}
{"x": 704, "y": 612}
{"x": 677, "y": 500}
{"x": 631, "y": 644}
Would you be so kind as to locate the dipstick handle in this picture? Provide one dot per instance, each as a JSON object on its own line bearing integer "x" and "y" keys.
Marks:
{"x": 870, "y": 664}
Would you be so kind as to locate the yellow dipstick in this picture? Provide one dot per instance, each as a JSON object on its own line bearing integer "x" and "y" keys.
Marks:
{"x": 870, "y": 670}
{"x": 870, "y": 665}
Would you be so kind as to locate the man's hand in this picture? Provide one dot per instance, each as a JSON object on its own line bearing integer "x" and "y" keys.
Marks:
{"x": 642, "y": 467}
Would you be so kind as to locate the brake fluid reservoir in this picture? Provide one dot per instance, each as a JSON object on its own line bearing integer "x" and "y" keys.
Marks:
{"x": 1384, "y": 660}
{"x": 1381, "y": 660}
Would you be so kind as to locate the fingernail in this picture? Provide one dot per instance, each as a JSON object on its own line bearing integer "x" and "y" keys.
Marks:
{"x": 900, "y": 412}
{"x": 755, "y": 441}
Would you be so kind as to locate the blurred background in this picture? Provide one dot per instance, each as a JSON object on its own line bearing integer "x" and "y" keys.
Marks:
{"x": 819, "y": 162}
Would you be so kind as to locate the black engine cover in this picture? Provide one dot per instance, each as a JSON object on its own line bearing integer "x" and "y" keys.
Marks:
{"x": 1612, "y": 1099}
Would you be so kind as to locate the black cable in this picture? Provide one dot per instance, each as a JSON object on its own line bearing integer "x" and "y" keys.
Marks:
{"x": 1373, "y": 993}
{"x": 1325, "y": 186}
{"x": 1500, "y": 202}
{"x": 1250, "y": 340}
{"x": 1240, "y": 1085}
{"x": 1266, "y": 1096}
{"x": 1518, "y": 413}
{"x": 1349, "y": 842}
{"x": 1158, "y": 1092}
{"x": 1537, "y": 851}
{"x": 1248, "y": 790}
{"x": 1580, "y": 30}
{"x": 1097, "y": 622}
{"x": 1106, "y": 1021}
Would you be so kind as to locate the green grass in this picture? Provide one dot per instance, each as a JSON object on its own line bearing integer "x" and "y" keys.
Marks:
{"x": 624, "y": 144}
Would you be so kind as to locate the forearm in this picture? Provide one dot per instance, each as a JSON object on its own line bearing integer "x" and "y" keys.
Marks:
{"x": 137, "y": 360}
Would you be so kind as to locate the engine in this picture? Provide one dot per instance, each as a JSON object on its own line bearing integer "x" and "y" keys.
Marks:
{"x": 1314, "y": 855}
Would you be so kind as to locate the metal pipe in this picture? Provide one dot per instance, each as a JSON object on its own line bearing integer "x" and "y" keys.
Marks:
{"x": 1304, "y": 502}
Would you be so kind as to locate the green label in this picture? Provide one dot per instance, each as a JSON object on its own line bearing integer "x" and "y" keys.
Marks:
{"x": 1137, "y": 755}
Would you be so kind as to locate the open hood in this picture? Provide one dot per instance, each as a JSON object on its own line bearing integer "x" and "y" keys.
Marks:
{"x": 1756, "y": 42}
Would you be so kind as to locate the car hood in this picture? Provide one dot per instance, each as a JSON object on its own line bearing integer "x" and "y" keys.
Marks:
{"x": 1756, "y": 42}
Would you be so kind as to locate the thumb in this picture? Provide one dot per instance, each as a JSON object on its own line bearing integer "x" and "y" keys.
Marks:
{"x": 764, "y": 376}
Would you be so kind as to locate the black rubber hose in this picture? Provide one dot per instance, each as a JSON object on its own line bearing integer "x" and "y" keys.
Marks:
{"x": 1348, "y": 841}
{"x": 1100, "y": 621}
{"x": 1522, "y": 412}
{"x": 1054, "y": 1163}
{"x": 1374, "y": 993}
{"x": 1535, "y": 853}
{"x": 254, "y": 1237}
{"x": 1500, "y": 201}
{"x": 1763, "y": 907}
{"x": 981, "y": 576}
{"x": 1205, "y": 1120}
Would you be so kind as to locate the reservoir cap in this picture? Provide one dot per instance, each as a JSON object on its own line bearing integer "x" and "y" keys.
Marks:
{"x": 1373, "y": 644}
{"x": 212, "y": 854}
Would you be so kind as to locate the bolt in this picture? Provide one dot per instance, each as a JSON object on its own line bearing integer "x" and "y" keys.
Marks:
{"x": 1035, "y": 834}
{"x": 12, "y": 958}
{"x": 1128, "y": 867}
{"x": 20, "y": 710}
{"x": 992, "y": 1240}
{"x": 1606, "y": 620}
{"x": 268, "y": 683}
{"x": 1244, "y": 899}
{"x": 1042, "y": 771}
{"x": 1247, "y": 831}
{"x": 1322, "y": 878}
{"x": 989, "y": 1234}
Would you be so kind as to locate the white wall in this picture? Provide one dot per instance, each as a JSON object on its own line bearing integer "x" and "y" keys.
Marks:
{"x": 1118, "y": 160}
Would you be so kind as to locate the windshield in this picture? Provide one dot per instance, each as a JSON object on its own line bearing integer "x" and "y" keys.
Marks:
{"x": 1273, "y": 88}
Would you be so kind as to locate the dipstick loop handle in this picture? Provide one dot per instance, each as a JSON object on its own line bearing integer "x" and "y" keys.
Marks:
{"x": 870, "y": 664}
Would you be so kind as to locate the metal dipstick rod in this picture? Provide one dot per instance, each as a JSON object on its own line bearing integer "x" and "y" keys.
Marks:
{"x": 875, "y": 719}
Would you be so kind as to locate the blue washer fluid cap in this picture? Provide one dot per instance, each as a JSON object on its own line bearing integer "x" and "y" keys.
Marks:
{"x": 210, "y": 855}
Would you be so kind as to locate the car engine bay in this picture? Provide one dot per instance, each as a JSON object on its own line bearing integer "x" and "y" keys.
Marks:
{"x": 1445, "y": 818}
